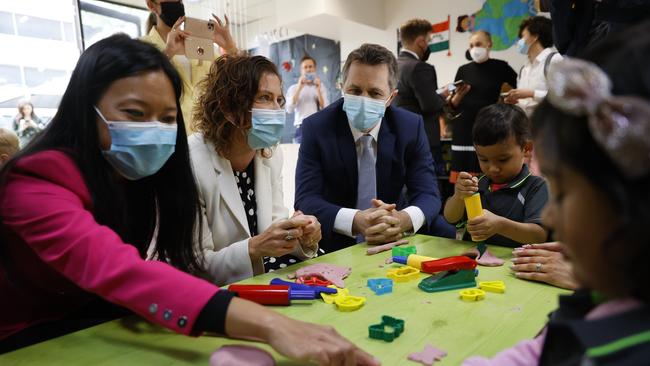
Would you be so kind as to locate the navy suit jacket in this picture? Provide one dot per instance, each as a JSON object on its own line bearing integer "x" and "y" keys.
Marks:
{"x": 327, "y": 177}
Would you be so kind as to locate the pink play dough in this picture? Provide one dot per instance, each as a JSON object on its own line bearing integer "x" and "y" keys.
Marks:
{"x": 385, "y": 247}
{"x": 427, "y": 357}
{"x": 487, "y": 259}
{"x": 241, "y": 356}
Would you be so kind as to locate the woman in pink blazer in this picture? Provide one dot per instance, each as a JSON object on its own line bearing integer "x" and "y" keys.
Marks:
{"x": 80, "y": 205}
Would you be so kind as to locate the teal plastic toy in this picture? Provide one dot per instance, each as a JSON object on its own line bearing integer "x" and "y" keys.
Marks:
{"x": 389, "y": 329}
{"x": 448, "y": 280}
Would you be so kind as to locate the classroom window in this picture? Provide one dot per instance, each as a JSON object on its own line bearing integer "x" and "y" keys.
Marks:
{"x": 36, "y": 76}
{"x": 29, "y": 26}
{"x": 101, "y": 19}
{"x": 6, "y": 23}
{"x": 10, "y": 75}
{"x": 42, "y": 45}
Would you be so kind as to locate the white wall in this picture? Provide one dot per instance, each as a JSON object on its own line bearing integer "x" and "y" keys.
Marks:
{"x": 368, "y": 12}
{"x": 353, "y": 22}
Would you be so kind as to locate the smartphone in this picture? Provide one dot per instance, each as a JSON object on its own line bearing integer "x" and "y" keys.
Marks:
{"x": 199, "y": 48}
{"x": 199, "y": 28}
{"x": 310, "y": 76}
{"x": 459, "y": 83}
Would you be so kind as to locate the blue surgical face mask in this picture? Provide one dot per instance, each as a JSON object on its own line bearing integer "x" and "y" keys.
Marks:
{"x": 139, "y": 149}
{"x": 522, "y": 47}
{"x": 267, "y": 127}
{"x": 363, "y": 113}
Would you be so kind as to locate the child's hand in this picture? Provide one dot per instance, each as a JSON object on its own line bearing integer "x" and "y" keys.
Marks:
{"x": 466, "y": 185}
{"x": 484, "y": 226}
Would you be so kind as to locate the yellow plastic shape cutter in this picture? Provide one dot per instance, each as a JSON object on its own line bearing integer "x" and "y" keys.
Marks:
{"x": 492, "y": 286}
{"x": 403, "y": 274}
{"x": 472, "y": 294}
{"x": 349, "y": 303}
{"x": 340, "y": 292}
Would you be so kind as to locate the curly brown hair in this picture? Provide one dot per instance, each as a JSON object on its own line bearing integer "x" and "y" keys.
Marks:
{"x": 229, "y": 89}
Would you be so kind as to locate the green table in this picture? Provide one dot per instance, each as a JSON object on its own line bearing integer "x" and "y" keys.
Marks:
{"x": 461, "y": 328}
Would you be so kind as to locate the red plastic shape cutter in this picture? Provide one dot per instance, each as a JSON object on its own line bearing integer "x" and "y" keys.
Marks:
{"x": 448, "y": 264}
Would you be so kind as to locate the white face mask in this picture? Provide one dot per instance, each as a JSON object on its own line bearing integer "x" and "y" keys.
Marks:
{"x": 479, "y": 54}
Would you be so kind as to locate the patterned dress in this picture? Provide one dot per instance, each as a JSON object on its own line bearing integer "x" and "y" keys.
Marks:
{"x": 246, "y": 184}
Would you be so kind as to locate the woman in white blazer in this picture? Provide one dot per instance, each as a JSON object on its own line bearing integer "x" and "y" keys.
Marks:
{"x": 238, "y": 167}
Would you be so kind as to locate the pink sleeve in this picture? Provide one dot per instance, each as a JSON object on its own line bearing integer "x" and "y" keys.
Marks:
{"x": 524, "y": 353}
{"x": 46, "y": 202}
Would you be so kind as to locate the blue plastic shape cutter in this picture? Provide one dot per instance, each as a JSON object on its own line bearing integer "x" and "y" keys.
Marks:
{"x": 389, "y": 329}
{"x": 448, "y": 280}
{"x": 380, "y": 286}
{"x": 296, "y": 286}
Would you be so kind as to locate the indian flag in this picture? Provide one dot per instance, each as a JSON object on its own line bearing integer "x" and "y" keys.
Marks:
{"x": 440, "y": 39}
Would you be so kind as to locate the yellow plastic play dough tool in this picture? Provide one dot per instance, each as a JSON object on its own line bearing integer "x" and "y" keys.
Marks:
{"x": 349, "y": 303}
{"x": 340, "y": 292}
{"x": 415, "y": 260}
{"x": 403, "y": 274}
{"x": 492, "y": 286}
{"x": 472, "y": 295}
{"x": 473, "y": 206}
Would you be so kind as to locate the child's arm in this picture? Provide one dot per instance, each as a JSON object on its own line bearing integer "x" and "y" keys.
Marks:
{"x": 489, "y": 224}
{"x": 454, "y": 209}
{"x": 521, "y": 232}
{"x": 466, "y": 185}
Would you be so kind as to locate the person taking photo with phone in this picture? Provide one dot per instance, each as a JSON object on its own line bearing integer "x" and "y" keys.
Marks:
{"x": 166, "y": 34}
{"x": 307, "y": 96}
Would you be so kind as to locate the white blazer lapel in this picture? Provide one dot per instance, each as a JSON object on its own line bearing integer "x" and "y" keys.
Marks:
{"x": 263, "y": 193}
{"x": 228, "y": 189}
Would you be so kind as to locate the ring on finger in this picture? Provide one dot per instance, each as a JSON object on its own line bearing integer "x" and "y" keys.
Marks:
{"x": 288, "y": 237}
{"x": 538, "y": 267}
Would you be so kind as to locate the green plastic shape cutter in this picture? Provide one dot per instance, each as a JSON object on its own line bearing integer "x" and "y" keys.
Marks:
{"x": 404, "y": 251}
{"x": 449, "y": 280}
{"x": 389, "y": 329}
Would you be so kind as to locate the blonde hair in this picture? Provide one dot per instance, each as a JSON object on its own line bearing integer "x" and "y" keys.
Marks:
{"x": 9, "y": 143}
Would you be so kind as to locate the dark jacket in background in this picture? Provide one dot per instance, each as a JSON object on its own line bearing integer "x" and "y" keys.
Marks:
{"x": 417, "y": 93}
{"x": 578, "y": 24}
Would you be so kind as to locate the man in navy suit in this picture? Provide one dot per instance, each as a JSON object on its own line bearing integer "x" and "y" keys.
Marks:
{"x": 364, "y": 167}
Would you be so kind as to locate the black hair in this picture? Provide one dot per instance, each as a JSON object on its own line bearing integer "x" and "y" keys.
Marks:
{"x": 539, "y": 26}
{"x": 133, "y": 209}
{"x": 495, "y": 123}
{"x": 566, "y": 139}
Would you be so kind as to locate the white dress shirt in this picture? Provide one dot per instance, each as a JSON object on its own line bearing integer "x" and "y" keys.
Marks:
{"x": 345, "y": 216}
{"x": 307, "y": 103}
{"x": 532, "y": 77}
